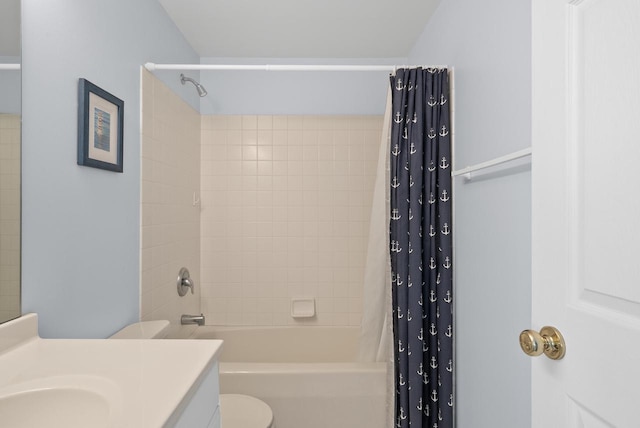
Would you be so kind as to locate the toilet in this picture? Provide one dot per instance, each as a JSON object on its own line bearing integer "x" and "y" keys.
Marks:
{"x": 144, "y": 330}
{"x": 244, "y": 411}
{"x": 236, "y": 410}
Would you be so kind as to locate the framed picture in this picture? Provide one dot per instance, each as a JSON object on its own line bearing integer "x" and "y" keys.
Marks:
{"x": 100, "y": 121}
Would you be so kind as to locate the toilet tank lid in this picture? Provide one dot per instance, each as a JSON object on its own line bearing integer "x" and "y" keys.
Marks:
{"x": 144, "y": 330}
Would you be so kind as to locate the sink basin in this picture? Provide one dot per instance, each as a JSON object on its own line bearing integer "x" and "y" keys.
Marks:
{"x": 55, "y": 407}
{"x": 68, "y": 401}
{"x": 94, "y": 383}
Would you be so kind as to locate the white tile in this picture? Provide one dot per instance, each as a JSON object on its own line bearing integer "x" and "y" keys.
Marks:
{"x": 265, "y": 122}
{"x": 249, "y": 122}
{"x": 301, "y": 212}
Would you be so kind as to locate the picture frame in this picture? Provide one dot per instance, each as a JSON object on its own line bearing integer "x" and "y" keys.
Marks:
{"x": 100, "y": 128}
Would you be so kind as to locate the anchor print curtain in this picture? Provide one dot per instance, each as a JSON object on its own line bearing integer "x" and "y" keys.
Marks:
{"x": 421, "y": 248}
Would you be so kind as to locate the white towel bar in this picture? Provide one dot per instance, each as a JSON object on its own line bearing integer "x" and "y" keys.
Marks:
{"x": 488, "y": 164}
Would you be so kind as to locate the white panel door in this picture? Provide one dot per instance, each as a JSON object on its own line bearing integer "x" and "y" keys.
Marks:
{"x": 586, "y": 211}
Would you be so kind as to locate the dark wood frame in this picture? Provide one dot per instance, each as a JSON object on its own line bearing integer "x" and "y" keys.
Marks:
{"x": 84, "y": 116}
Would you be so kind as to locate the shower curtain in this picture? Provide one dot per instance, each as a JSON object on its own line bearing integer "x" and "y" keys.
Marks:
{"x": 408, "y": 300}
{"x": 421, "y": 248}
{"x": 376, "y": 335}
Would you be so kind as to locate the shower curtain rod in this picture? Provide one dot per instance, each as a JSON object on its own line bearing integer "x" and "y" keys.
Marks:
{"x": 9, "y": 66}
{"x": 274, "y": 67}
{"x": 497, "y": 161}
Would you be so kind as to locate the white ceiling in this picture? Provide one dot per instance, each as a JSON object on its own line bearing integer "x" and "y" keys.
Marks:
{"x": 301, "y": 28}
{"x": 9, "y": 28}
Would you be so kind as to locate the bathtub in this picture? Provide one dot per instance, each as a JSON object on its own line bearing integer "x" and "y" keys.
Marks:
{"x": 308, "y": 375}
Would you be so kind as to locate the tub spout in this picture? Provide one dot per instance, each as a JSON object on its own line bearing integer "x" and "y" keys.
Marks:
{"x": 192, "y": 319}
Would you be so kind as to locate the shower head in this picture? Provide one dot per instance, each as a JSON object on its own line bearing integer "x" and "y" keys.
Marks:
{"x": 201, "y": 90}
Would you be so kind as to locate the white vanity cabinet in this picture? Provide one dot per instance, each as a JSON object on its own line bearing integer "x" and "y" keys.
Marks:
{"x": 122, "y": 383}
{"x": 203, "y": 411}
{"x": 215, "y": 421}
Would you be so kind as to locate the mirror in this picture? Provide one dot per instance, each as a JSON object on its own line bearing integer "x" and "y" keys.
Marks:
{"x": 10, "y": 121}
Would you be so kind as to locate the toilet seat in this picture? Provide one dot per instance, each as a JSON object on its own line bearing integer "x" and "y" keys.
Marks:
{"x": 243, "y": 411}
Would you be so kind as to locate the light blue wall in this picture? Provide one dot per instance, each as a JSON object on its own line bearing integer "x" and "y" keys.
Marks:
{"x": 10, "y": 86}
{"x": 279, "y": 92}
{"x": 489, "y": 44}
{"x": 80, "y": 258}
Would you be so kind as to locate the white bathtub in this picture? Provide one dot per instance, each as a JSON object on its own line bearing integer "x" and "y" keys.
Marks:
{"x": 308, "y": 375}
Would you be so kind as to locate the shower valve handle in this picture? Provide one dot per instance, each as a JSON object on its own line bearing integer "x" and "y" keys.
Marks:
{"x": 188, "y": 283}
{"x": 184, "y": 282}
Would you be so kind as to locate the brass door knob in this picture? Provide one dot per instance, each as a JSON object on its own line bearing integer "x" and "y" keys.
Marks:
{"x": 549, "y": 341}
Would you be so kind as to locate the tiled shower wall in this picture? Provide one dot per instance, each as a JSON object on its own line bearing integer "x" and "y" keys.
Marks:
{"x": 170, "y": 219}
{"x": 9, "y": 216}
{"x": 285, "y": 213}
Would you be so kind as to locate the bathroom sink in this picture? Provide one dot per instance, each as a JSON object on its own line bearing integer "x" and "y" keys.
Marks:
{"x": 95, "y": 383}
{"x": 55, "y": 407}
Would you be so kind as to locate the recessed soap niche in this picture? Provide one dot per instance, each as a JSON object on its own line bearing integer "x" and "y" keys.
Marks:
{"x": 303, "y": 307}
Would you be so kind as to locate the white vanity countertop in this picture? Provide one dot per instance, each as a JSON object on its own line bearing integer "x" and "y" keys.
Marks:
{"x": 147, "y": 382}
